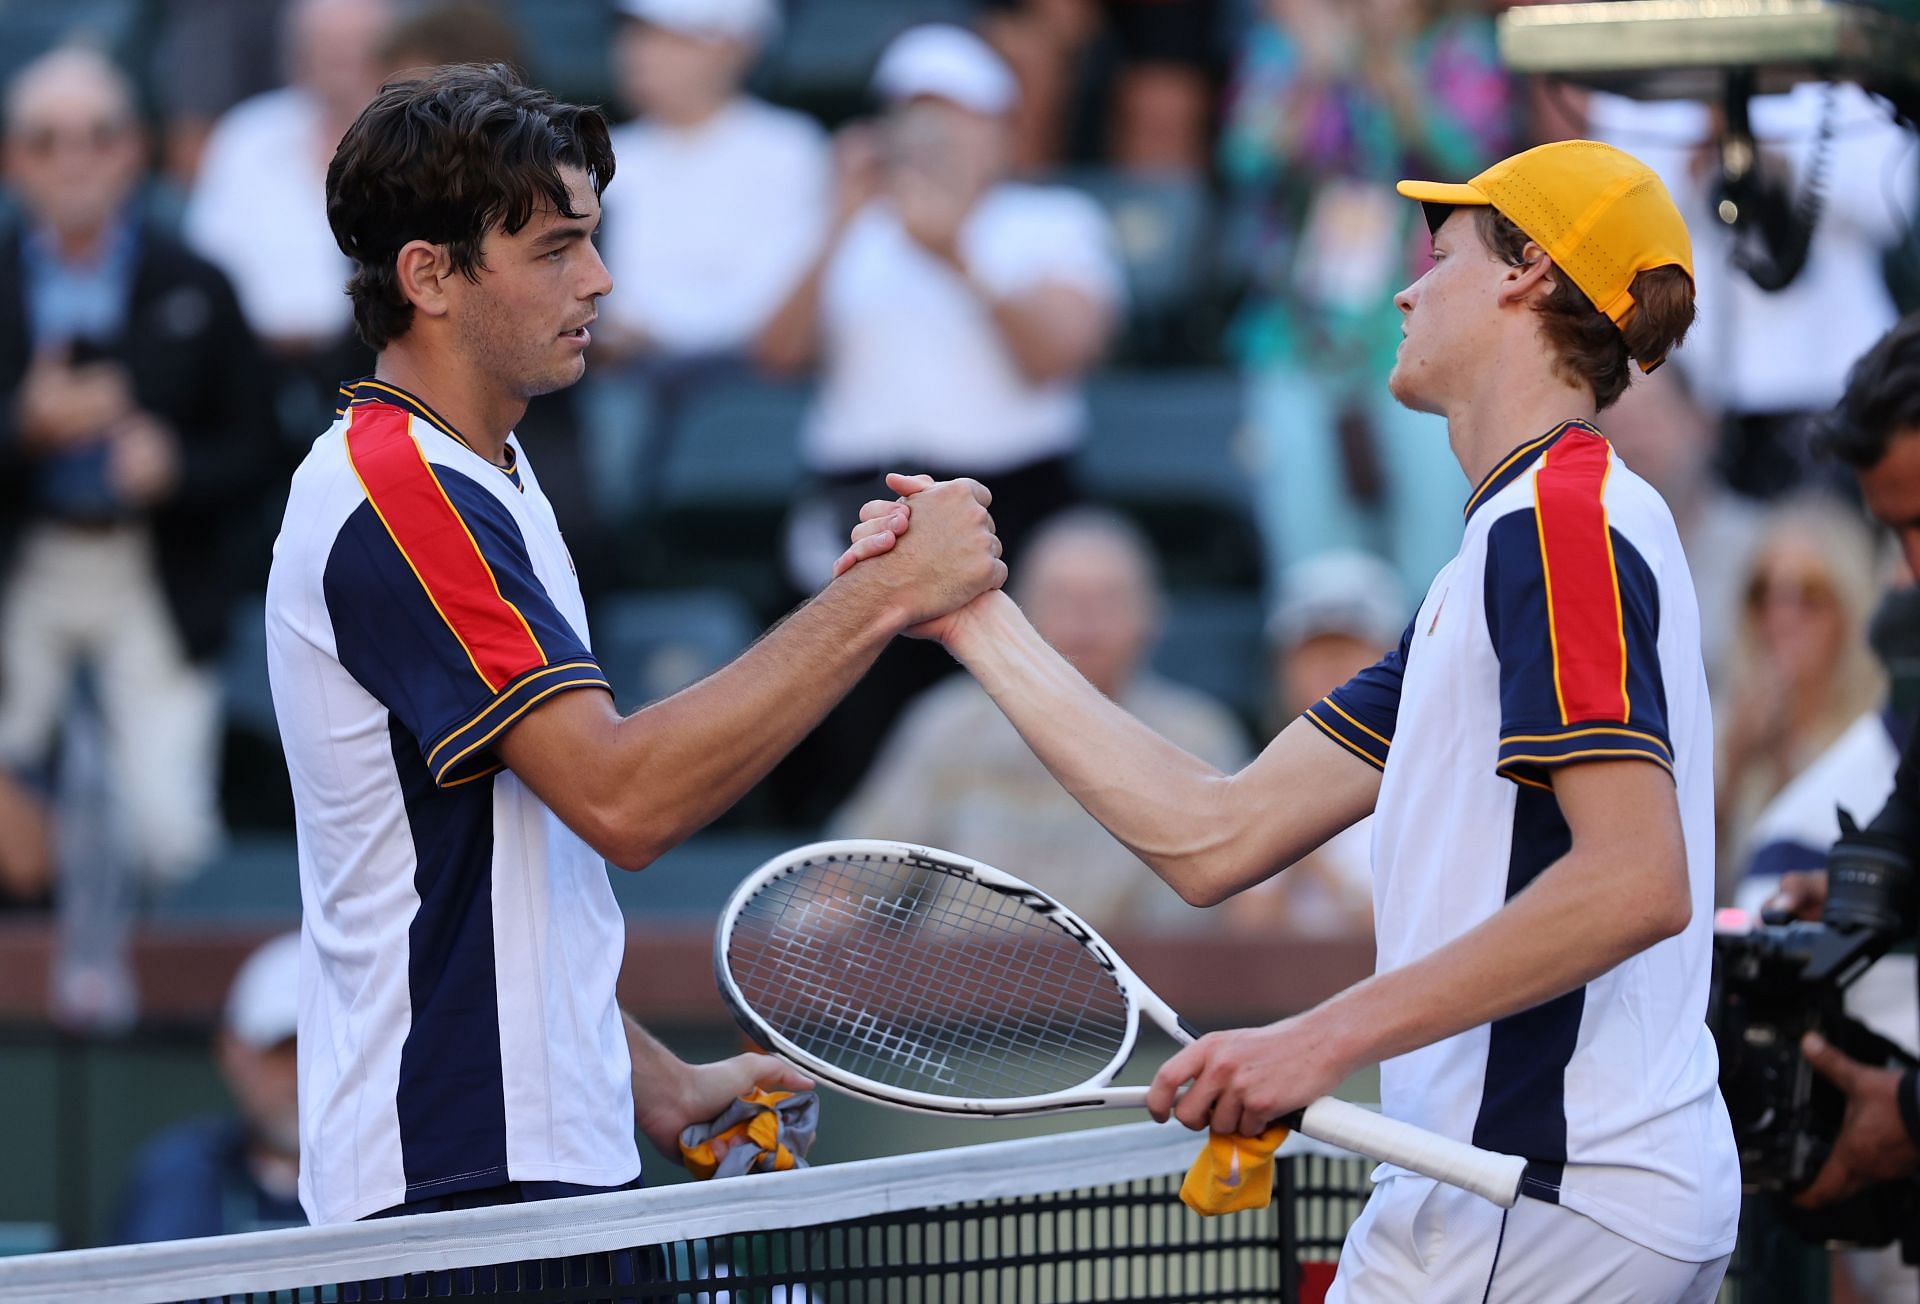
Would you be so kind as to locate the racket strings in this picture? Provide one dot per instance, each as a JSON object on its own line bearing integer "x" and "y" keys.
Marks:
{"x": 916, "y": 976}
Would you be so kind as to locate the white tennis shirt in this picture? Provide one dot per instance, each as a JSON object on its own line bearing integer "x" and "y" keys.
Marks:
{"x": 459, "y": 944}
{"x": 1565, "y": 630}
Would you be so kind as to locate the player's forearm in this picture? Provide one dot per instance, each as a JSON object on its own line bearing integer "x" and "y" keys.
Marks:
{"x": 683, "y": 761}
{"x": 1180, "y": 815}
{"x": 1587, "y": 913}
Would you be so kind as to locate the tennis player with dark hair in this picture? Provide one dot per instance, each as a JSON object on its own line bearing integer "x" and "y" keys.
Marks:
{"x": 459, "y": 769}
{"x": 1537, "y": 754}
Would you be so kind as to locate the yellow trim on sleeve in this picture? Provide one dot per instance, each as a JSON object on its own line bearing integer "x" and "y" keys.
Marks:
{"x": 521, "y": 710}
{"x": 531, "y": 677}
{"x": 1661, "y": 761}
{"x": 1582, "y": 733}
{"x": 1350, "y": 745}
{"x": 1384, "y": 742}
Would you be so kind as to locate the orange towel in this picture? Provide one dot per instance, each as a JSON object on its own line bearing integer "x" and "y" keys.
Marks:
{"x": 1233, "y": 1172}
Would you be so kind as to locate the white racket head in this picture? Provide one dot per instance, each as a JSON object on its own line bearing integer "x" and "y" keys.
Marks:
{"x": 926, "y": 980}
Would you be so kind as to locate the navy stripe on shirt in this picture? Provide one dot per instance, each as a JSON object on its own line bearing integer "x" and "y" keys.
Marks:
{"x": 1523, "y": 1101}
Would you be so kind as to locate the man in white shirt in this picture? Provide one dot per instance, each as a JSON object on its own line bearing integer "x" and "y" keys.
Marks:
{"x": 721, "y": 200}
{"x": 1537, "y": 754}
{"x": 952, "y": 314}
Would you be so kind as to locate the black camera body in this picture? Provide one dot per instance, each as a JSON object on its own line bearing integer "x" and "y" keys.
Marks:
{"x": 1776, "y": 983}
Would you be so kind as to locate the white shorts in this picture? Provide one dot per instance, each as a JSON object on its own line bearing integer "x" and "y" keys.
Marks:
{"x": 1421, "y": 1242}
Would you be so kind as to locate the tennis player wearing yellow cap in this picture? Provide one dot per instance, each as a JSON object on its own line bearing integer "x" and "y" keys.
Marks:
{"x": 1537, "y": 753}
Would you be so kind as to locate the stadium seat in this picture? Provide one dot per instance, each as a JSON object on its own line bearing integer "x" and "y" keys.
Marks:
{"x": 29, "y": 28}
{"x": 654, "y": 644}
{"x": 256, "y": 877}
{"x": 1216, "y": 642}
{"x": 734, "y": 440}
{"x": 695, "y": 878}
{"x": 1166, "y": 448}
{"x": 823, "y": 59}
{"x": 1166, "y": 436}
{"x": 567, "y": 44}
{"x": 1162, "y": 226}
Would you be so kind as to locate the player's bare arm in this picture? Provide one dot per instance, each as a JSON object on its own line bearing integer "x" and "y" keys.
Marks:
{"x": 1620, "y": 888}
{"x": 635, "y": 786}
{"x": 1208, "y": 834}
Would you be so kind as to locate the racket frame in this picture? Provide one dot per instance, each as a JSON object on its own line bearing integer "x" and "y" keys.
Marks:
{"x": 1497, "y": 1177}
{"x": 1095, "y": 1092}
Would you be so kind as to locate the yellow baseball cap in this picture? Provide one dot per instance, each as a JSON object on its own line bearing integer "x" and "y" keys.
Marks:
{"x": 1600, "y": 213}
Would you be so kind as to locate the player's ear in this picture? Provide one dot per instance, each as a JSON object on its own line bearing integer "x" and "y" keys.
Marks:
{"x": 1533, "y": 274}
{"x": 421, "y": 270}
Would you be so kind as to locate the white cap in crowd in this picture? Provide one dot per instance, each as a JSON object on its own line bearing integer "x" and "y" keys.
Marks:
{"x": 263, "y": 1005}
{"x": 948, "y": 63}
{"x": 751, "y": 21}
{"x": 1339, "y": 593}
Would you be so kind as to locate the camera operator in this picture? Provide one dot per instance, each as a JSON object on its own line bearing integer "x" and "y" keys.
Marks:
{"x": 1876, "y": 431}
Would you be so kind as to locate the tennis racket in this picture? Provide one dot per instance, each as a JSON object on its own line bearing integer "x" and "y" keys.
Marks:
{"x": 930, "y": 982}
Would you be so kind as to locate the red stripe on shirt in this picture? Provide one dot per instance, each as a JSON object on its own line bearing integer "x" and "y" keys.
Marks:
{"x": 428, "y": 530}
{"x": 1583, "y": 590}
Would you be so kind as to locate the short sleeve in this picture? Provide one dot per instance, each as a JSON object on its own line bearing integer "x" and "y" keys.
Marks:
{"x": 1361, "y": 713}
{"x": 1574, "y": 614}
{"x": 1052, "y": 236}
{"x": 437, "y": 612}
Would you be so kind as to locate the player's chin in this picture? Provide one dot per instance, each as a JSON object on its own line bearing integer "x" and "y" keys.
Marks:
{"x": 1406, "y": 389}
{"x": 561, "y": 374}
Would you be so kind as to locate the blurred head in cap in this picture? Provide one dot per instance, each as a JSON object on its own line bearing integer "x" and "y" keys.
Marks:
{"x": 943, "y": 62}
{"x": 946, "y": 96}
{"x": 1338, "y": 613}
{"x": 73, "y": 148}
{"x": 256, "y": 1046}
{"x": 678, "y": 62}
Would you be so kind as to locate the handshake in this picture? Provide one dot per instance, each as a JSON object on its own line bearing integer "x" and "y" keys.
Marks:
{"x": 931, "y": 553}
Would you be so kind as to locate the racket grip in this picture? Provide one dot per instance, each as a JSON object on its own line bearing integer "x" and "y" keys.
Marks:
{"x": 1484, "y": 1172}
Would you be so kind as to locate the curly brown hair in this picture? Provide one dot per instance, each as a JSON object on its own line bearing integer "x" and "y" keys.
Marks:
{"x": 445, "y": 159}
{"x": 1588, "y": 348}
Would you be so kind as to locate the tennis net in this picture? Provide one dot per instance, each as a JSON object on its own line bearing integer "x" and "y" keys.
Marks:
{"x": 1085, "y": 1216}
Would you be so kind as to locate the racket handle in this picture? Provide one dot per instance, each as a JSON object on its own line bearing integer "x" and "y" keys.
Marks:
{"x": 1484, "y": 1172}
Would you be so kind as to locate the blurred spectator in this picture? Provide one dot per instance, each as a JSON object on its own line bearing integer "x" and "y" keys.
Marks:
{"x": 1793, "y": 834}
{"x": 1332, "y": 103}
{"x": 1337, "y": 615}
{"x": 1668, "y": 438}
{"x": 954, "y": 773}
{"x": 258, "y": 206}
{"x": 953, "y": 314}
{"x": 1803, "y": 671}
{"x": 211, "y": 54}
{"x": 236, "y": 1173}
{"x": 1755, "y": 351}
{"x": 1160, "y": 59}
{"x": 718, "y": 200}
{"x": 133, "y": 425}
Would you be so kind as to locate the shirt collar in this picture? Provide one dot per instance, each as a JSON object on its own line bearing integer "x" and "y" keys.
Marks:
{"x": 117, "y": 247}
{"x": 366, "y": 390}
{"x": 1515, "y": 464}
